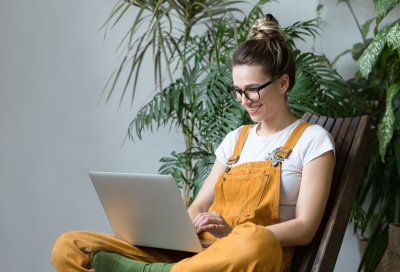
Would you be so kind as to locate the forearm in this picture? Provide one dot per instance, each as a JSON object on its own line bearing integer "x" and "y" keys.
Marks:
{"x": 205, "y": 196}
{"x": 292, "y": 233}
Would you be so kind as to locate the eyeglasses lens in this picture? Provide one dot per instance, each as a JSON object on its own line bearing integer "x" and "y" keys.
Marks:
{"x": 251, "y": 94}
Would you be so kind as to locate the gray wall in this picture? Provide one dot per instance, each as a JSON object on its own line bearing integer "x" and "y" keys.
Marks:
{"x": 55, "y": 125}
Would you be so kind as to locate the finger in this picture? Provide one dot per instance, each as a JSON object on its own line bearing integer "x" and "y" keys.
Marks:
{"x": 199, "y": 218}
{"x": 201, "y": 221}
{"x": 210, "y": 224}
{"x": 196, "y": 219}
{"x": 210, "y": 220}
{"x": 214, "y": 220}
{"x": 205, "y": 221}
{"x": 215, "y": 214}
{"x": 210, "y": 228}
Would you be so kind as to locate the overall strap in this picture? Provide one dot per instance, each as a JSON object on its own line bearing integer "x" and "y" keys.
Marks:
{"x": 239, "y": 145}
{"x": 284, "y": 151}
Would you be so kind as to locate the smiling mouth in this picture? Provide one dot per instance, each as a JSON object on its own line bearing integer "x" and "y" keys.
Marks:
{"x": 253, "y": 110}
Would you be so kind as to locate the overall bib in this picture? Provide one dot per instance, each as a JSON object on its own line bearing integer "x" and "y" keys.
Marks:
{"x": 247, "y": 196}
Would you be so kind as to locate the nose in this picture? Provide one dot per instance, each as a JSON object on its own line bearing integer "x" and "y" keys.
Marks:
{"x": 245, "y": 101}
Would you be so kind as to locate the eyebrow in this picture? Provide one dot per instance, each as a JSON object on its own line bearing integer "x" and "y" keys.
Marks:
{"x": 252, "y": 85}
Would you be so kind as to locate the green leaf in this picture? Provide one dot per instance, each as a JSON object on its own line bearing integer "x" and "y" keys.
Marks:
{"x": 370, "y": 57}
{"x": 374, "y": 250}
{"x": 319, "y": 7}
{"x": 318, "y": 88}
{"x": 383, "y": 7}
{"x": 385, "y": 129}
{"x": 300, "y": 30}
{"x": 393, "y": 37}
{"x": 393, "y": 70}
{"x": 365, "y": 27}
{"x": 357, "y": 50}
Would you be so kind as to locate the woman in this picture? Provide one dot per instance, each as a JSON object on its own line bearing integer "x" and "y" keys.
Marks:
{"x": 266, "y": 192}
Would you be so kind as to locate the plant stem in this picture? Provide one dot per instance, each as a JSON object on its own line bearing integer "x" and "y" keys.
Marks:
{"x": 188, "y": 173}
{"x": 378, "y": 21}
{"x": 355, "y": 19}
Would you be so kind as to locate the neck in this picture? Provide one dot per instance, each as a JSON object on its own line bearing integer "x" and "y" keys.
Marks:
{"x": 276, "y": 123}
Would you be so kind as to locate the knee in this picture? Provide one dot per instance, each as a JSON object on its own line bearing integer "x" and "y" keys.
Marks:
{"x": 258, "y": 245}
{"x": 62, "y": 246}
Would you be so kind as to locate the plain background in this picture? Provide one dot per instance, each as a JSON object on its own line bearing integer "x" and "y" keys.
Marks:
{"x": 55, "y": 125}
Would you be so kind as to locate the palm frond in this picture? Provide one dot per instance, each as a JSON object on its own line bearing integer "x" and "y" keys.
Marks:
{"x": 319, "y": 89}
{"x": 300, "y": 30}
{"x": 166, "y": 106}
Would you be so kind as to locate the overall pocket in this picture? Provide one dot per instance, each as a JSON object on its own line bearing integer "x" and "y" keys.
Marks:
{"x": 243, "y": 193}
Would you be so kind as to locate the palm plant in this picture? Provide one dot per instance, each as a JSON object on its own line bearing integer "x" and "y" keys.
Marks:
{"x": 168, "y": 28}
{"x": 377, "y": 86}
{"x": 195, "y": 100}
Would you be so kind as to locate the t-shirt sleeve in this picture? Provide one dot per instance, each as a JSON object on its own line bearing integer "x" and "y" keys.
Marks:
{"x": 317, "y": 141}
{"x": 225, "y": 149}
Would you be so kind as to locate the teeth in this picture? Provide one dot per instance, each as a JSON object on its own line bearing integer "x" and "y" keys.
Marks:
{"x": 253, "y": 109}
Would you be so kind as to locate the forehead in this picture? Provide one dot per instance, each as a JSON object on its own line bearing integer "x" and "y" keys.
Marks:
{"x": 243, "y": 75}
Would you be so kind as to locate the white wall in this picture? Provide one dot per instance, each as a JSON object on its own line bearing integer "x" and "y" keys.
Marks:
{"x": 53, "y": 66}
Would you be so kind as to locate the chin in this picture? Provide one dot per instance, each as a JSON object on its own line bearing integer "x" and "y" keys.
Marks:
{"x": 256, "y": 119}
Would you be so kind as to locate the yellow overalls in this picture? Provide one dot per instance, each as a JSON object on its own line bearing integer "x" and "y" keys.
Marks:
{"x": 247, "y": 196}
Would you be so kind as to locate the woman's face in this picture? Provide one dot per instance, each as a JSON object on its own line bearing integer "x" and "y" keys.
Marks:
{"x": 272, "y": 98}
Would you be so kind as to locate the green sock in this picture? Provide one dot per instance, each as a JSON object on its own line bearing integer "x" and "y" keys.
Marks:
{"x": 104, "y": 261}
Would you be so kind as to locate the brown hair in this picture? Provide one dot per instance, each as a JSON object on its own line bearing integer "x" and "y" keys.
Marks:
{"x": 267, "y": 48}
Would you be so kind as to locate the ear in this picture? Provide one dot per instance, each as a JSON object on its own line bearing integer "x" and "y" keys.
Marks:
{"x": 283, "y": 82}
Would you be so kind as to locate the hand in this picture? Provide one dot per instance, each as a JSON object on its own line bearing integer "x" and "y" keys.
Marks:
{"x": 213, "y": 223}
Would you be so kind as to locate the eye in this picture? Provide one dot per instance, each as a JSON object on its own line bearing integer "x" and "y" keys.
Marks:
{"x": 252, "y": 90}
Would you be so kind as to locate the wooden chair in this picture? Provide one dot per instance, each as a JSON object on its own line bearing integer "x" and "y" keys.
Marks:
{"x": 353, "y": 139}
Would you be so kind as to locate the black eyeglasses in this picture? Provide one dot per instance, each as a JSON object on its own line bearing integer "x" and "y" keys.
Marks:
{"x": 252, "y": 93}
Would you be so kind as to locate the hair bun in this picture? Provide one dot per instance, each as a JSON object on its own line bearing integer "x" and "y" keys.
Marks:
{"x": 267, "y": 28}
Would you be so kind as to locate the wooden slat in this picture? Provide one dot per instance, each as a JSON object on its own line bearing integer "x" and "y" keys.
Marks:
{"x": 329, "y": 124}
{"x": 306, "y": 116}
{"x": 342, "y": 146}
{"x": 313, "y": 119}
{"x": 322, "y": 120}
{"x": 336, "y": 126}
{"x": 345, "y": 138}
{"x": 351, "y": 180}
{"x": 305, "y": 255}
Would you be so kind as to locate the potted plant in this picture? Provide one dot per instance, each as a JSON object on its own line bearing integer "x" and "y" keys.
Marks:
{"x": 195, "y": 100}
{"x": 376, "y": 86}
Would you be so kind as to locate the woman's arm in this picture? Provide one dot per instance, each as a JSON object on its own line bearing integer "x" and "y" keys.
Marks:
{"x": 205, "y": 197}
{"x": 313, "y": 195}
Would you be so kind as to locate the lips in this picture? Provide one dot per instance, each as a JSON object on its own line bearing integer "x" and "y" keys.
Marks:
{"x": 253, "y": 110}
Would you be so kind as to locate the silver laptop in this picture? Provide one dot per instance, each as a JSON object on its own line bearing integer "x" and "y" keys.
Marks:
{"x": 146, "y": 210}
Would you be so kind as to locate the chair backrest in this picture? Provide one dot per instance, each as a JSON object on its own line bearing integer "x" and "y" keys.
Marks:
{"x": 353, "y": 138}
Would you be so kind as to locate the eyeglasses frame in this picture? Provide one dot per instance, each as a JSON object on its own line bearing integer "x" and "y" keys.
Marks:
{"x": 258, "y": 89}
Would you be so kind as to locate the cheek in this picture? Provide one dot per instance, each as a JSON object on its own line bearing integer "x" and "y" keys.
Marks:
{"x": 269, "y": 96}
{"x": 273, "y": 99}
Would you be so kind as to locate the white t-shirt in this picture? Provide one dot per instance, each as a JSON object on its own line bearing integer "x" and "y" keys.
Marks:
{"x": 314, "y": 142}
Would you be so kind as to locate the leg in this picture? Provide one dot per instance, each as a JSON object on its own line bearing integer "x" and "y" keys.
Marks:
{"x": 248, "y": 248}
{"x": 73, "y": 251}
{"x": 105, "y": 261}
